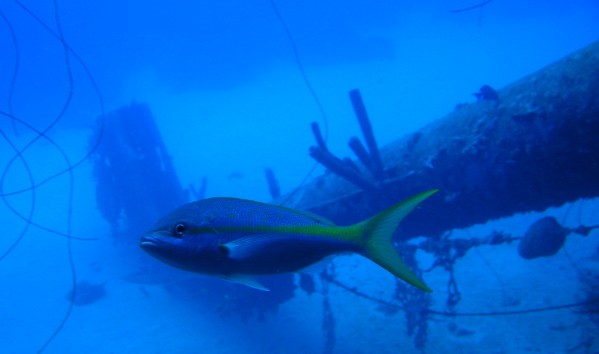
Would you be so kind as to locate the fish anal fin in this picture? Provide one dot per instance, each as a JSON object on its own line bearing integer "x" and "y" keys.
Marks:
{"x": 245, "y": 280}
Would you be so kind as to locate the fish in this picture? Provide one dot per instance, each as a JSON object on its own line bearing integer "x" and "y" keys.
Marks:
{"x": 238, "y": 239}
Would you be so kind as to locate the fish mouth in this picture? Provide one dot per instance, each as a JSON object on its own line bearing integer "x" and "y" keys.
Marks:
{"x": 149, "y": 242}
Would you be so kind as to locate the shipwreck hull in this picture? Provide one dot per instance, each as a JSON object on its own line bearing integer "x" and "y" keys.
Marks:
{"x": 536, "y": 147}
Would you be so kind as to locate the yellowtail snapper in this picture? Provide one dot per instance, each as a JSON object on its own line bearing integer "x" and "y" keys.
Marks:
{"x": 238, "y": 239}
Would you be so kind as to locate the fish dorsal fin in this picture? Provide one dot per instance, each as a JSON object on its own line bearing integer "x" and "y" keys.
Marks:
{"x": 315, "y": 217}
{"x": 319, "y": 219}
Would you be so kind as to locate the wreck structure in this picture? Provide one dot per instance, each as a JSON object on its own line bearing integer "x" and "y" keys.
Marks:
{"x": 534, "y": 147}
{"x": 527, "y": 147}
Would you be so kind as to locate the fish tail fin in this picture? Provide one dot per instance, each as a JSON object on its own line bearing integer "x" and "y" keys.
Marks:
{"x": 376, "y": 234}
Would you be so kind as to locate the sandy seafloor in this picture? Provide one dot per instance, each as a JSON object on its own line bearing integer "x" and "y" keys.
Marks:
{"x": 439, "y": 60}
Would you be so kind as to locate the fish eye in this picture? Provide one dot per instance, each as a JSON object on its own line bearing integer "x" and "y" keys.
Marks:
{"x": 179, "y": 229}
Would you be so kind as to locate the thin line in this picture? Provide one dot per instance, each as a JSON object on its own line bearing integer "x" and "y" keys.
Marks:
{"x": 67, "y": 315}
{"x": 471, "y": 7}
{"x": 300, "y": 66}
{"x": 19, "y": 155}
{"x": 98, "y": 95}
{"x": 13, "y": 79}
{"x": 31, "y": 209}
{"x": 323, "y": 114}
{"x": 13, "y": 146}
{"x": 356, "y": 292}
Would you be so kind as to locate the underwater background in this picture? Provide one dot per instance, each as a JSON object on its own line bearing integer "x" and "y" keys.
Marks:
{"x": 114, "y": 113}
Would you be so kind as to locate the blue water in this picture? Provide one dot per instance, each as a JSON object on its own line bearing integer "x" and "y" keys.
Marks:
{"x": 232, "y": 92}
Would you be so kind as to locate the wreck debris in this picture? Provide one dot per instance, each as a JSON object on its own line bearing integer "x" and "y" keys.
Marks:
{"x": 343, "y": 168}
{"x": 136, "y": 181}
{"x": 486, "y": 93}
{"x": 346, "y": 168}
{"x": 546, "y": 237}
{"x": 375, "y": 164}
{"x": 273, "y": 184}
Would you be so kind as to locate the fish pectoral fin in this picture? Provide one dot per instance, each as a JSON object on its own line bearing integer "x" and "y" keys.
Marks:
{"x": 245, "y": 280}
{"x": 246, "y": 247}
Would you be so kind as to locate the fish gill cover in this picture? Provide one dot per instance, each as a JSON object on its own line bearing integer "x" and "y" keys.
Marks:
{"x": 114, "y": 114}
